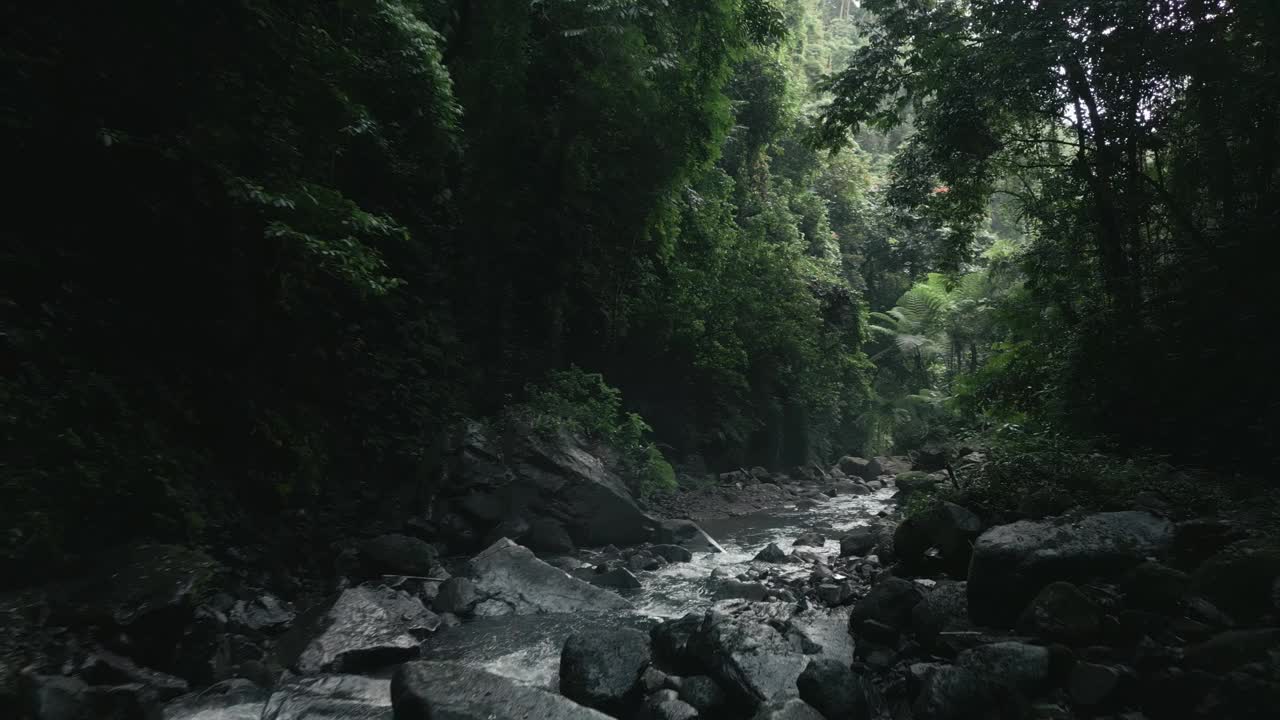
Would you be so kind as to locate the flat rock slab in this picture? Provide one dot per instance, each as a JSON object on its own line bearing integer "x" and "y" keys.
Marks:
{"x": 513, "y": 581}
{"x": 448, "y": 691}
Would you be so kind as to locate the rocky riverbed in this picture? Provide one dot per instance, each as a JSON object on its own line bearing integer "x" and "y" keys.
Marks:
{"x": 802, "y": 594}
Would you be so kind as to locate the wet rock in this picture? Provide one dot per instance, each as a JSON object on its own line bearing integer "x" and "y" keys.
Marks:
{"x": 752, "y": 662}
{"x": 672, "y": 553}
{"x": 1153, "y": 586}
{"x": 1206, "y": 612}
{"x": 890, "y": 602}
{"x": 510, "y": 575}
{"x": 102, "y": 667}
{"x": 793, "y": 709}
{"x": 673, "y": 642}
{"x": 771, "y": 554}
{"x": 439, "y": 690}
{"x": 949, "y": 692}
{"x": 929, "y": 459}
{"x": 687, "y": 534}
{"x": 1239, "y": 579}
{"x": 265, "y": 613}
{"x": 351, "y": 697}
{"x": 360, "y": 629}
{"x": 914, "y": 482}
{"x": 1011, "y": 563}
{"x": 547, "y": 535}
{"x": 457, "y": 595}
{"x": 945, "y": 607}
{"x": 738, "y": 590}
{"x": 602, "y": 668}
{"x": 1093, "y": 684}
{"x": 228, "y": 700}
{"x": 859, "y": 541}
{"x": 645, "y": 560}
{"x": 618, "y": 577}
{"x": 1061, "y": 613}
{"x": 833, "y": 690}
{"x": 150, "y": 592}
{"x": 664, "y": 705}
{"x": 811, "y": 539}
{"x": 54, "y": 697}
{"x": 1013, "y": 665}
{"x": 805, "y": 556}
{"x": 653, "y": 679}
{"x": 888, "y": 465}
{"x": 833, "y": 594}
{"x": 1233, "y": 648}
{"x": 703, "y": 694}
{"x": 396, "y": 555}
{"x": 949, "y": 528}
{"x": 874, "y": 485}
{"x": 856, "y": 467}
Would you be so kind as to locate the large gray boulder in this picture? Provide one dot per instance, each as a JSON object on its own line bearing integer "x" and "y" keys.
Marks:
{"x": 1012, "y": 665}
{"x": 602, "y": 668}
{"x": 950, "y": 692}
{"x": 1011, "y": 563}
{"x": 394, "y": 554}
{"x": 566, "y": 489}
{"x": 833, "y": 690}
{"x": 753, "y": 662}
{"x": 360, "y": 629}
{"x": 512, "y": 581}
{"x": 856, "y": 467}
{"x": 449, "y": 691}
{"x": 890, "y": 603}
{"x": 351, "y": 697}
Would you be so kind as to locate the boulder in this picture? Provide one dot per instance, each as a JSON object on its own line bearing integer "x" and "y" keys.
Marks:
{"x": 395, "y": 555}
{"x": 946, "y": 527}
{"x": 1061, "y": 613}
{"x": 811, "y": 539}
{"x": 228, "y": 700}
{"x": 914, "y": 482}
{"x": 929, "y": 459}
{"x": 751, "y": 661}
{"x": 849, "y": 487}
{"x": 672, "y": 553}
{"x": 662, "y": 705}
{"x": 602, "y": 668}
{"x": 1012, "y": 665}
{"x": 792, "y": 709}
{"x": 1093, "y": 683}
{"x": 890, "y": 602}
{"x": 575, "y": 486}
{"x": 507, "y": 574}
{"x": 673, "y": 642}
{"x": 351, "y": 697}
{"x": 856, "y": 467}
{"x": 444, "y": 690}
{"x": 944, "y": 608}
{"x": 950, "y": 692}
{"x": 687, "y": 534}
{"x": 733, "y": 589}
{"x": 1239, "y": 579}
{"x": 149, "y": 592}
{"x": 1231, "y": 649}
{"x": 265, "y": 613}
{"x": 703, "y": 694}
{"x": 644, "y": 560}
{"x": 103, "y": 667}
{"x": 833, "y": 690}
{"x": 1011, "y": 563}
{"x": 833, "y": 594}
{"x": 859, "y": 541}
{"x": 771, "y": 554}
{"x": 457, "y": 595}
{"x": 653, "y": 679}
{"x": 547, "y": 535}
{"x": 618, "y": 577}
{"x": 361, "y": 628}
{"x": 1153, "y": 586}
{"x": 891, "y": 465}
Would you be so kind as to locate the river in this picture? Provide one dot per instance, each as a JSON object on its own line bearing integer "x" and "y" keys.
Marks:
{"x": 527, "y": 648}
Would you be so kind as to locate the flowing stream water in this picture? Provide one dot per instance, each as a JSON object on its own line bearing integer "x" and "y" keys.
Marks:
{"x": 527, "y": 648}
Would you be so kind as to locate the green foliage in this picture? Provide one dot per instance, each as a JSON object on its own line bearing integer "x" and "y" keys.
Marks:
{"x": 581, "y": 402}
